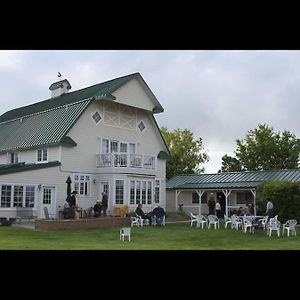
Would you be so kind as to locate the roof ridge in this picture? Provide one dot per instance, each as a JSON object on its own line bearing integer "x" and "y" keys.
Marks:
{"x": 46, "y": 111}
{"x": 101, "y": 88}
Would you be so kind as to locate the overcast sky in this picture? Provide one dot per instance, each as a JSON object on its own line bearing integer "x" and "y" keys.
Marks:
{"x": 218, "y": 95}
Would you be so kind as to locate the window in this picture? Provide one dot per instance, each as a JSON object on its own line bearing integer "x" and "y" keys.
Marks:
{"x": 140, "y": 192}
{"x": 96, "y": 117}
{"x": 6, "y": 195}
{"x": 17, "y": 196}
{"x": 29, "y": 196}
{"x": 82, "y": 184}
{"x": 47, "y": 195}
{"x": 42, "y": 155}
{"x": 244, "y": 197}
{"x": 141, "y": 126}
{"x": 132, "y": 191}
{"x": 195, "y": 198}
{"x": 105, "y": 146}
{"x": 119, "y": 191}
{"x": 14, "y": 157}
{"x": 144, "y": 184}
{"x": 149, "y": 192}
{"x": 156, "y": 191}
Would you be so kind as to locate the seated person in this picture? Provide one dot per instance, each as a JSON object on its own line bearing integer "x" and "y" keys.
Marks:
{"x": 139, "y": 211}
{"x": 159, "y": 213}
{"x": 245, "y": 211}
{"x": 97, "y": 209}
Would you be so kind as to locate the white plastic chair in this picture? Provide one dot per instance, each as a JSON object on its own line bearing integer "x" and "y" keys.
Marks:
{"x": 201, "y": 220}
{"x": 247, "y": 223}
{"x": 273, "y": 225}
{"x": 236, "y": 222}
{"x": 135, "y": 222}
{"x": 264, "y": 221}
{"x": 125, "y": 232}
{"x": 289, "y": 226}
{"x": 213, "y": 220}
{"x": 163, "y": 223}
{"x": 142, "y": 221}
{"x": 194, "y": 219}
{"x": 227, "y": 221}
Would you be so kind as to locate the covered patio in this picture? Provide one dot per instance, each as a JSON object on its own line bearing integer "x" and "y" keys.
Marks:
{"x": 229, "y": 187}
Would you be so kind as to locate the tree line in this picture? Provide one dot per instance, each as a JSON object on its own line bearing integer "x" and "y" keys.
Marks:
{"x": 261, "y": 149}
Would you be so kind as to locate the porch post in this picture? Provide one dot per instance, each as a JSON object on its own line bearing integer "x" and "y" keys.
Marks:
{"x": 176, "y": 198}
{"x": 226, "y": 193}
{"x": 253, "y": 191}
{"x": 200, "y": 193}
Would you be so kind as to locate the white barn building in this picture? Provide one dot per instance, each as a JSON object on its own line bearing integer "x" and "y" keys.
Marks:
{"x": 104, "y": 137}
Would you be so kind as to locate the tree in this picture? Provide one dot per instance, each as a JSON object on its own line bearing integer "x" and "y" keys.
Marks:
{"x": 264, "y": 149}
{"x": 230, "y": 164}
{"x": 187, "y": 153}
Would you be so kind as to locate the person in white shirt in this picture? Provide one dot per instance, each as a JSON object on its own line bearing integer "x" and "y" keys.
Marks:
{"x": 218, "y": 209}
{"x": 269, "y": 209}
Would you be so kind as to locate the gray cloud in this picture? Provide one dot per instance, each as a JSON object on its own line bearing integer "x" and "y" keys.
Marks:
{"x": 218, "y": 95}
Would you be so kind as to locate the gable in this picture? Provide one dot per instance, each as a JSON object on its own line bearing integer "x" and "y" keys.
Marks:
{"x": 137, "y": 94}
{"x": 47, "y": 122}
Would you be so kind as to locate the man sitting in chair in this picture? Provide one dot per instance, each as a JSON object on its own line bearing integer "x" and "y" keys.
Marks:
{"x": 139, "y": 211}
{"x": 159, "y": 213}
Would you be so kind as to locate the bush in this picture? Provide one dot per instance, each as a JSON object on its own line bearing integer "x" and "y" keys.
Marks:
{"x": 5, "y": 222}
{"x": 285, "y": 196}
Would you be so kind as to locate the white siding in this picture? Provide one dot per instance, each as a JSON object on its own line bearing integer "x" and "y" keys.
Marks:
{"x": 132, "y": 93}
{"x": 82, "y": 158}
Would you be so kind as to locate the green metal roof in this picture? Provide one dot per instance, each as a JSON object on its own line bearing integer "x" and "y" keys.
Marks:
{"x": 228, "y": 180}
{"x": 22, "y": 167}
{"x": 45, "y": 128}
{"x": 97, "y": 90}
{"x": 47, "y": 122}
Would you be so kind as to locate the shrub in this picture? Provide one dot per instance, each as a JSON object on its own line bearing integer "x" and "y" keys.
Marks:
{"x": 285, "y": 196}
{"x": 5, "y": 223}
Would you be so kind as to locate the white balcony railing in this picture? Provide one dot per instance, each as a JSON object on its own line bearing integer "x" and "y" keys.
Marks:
{"x": 110, "y": 160}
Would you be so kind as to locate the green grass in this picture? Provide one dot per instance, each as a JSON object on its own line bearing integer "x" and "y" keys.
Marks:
{"x": 171, "y": 237}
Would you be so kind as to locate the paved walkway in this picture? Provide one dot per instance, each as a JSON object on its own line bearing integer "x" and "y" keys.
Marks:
{"x": 24, "y": 224}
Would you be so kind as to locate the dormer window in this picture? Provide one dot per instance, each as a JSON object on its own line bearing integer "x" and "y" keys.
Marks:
{"x": 13, "y": 157}
{"x": 42, "y": 155}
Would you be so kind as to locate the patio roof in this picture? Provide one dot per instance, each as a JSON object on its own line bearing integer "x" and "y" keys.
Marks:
{"x": 231, "y": 180}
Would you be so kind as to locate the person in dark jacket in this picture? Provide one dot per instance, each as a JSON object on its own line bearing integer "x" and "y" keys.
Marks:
{"x": 97, "y": 209}
{"x": 139, "y": 211}
{"x": 73, "y": 204}
{"x": 104, "y": 203}
{"x": 159, "y": 213}
{"x": 211, "y": 206}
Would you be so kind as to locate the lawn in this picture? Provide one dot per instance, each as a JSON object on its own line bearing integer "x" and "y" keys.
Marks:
{"x": 171, "y": 237}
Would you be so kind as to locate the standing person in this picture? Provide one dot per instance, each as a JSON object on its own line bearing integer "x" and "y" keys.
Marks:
{"x": 104, "y": 203}
{"x": 97, "y": 209}
{"x": 218, "y": 209}
{"x": 73, "y": 205}
{"x": 211, "y": 206}
{"x": 269, "y": 209}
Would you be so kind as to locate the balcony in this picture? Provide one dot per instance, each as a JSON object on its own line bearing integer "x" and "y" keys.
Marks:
{"x": 122, "y": 161}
